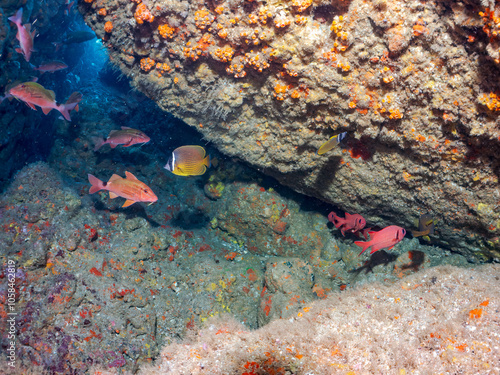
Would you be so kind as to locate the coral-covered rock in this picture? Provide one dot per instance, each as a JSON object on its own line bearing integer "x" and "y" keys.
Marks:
{"x": 267, "y": 223}
{"x": 270, "y": 84}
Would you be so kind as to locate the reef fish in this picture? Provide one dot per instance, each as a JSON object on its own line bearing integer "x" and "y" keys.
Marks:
{"x": 188, "y": 161}
{"x": 34, "y": 94}
{"x": 331, "y": 143}
{"x": 50, "y": 66}
{"x": 425, "y": 227}
{"x": 384, "y": 238}
{"x": 24, "y": 35}
{"x": 351, "y": 223}
{"x": 126, "y": 137}
{"x": 129, "y": 188}
{"x": 75, "y": 37}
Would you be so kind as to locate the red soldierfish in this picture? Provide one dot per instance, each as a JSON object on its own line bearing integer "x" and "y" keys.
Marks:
{"x": 352, "y": 223}
{"x": 126, "y": 137}
{"x": 24, "y": 35}
{"x": 384, "y": 238}
{"x": 34, "y": 94}
{"x": 50, "y": 67}
{"x": 129, "y": 188}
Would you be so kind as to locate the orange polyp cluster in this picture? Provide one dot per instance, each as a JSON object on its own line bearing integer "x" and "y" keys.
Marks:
{"x": 203, "y": 18}
{"x": 281, "y": 20}
{"x": 491, "y": 101}
{"x": 264, "y": 14}
{"x": 102, "y": 12}
{"x": 300, "y": 20}
{"x": 290, "y": 71}
{"x": 331, "y": 56}
{"x": 295, "y": 94}
{"x": 219, "y": 9}
{"x": 108, "y": 27}
{"x": 256, "y": 61}
{"x": 166, "y": 31}
{"x": 491, "y": 23}
{"x": 147, "y": 64}
{"x": 224, "y": 54}
{"x": 280, "y": 91}
{"x": 253, "y": 19}
{"x": 345, "y": 67}
{"x": 142, "y": 14}
{"x": 222, "y": 33}
{"x": 200, "y": 49}
{"x": 395, "y": 114}
{"x": 491, "y": 28}
{"x": 301, "y": 5}
{"x": 163, "y": 68}
{"x": 236, "y": 68}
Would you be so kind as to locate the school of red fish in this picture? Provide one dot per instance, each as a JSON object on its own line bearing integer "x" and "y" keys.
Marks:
{"x": 190, "y": 160}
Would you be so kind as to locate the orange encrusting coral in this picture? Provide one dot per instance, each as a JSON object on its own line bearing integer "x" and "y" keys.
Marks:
{"x": 108, "y": 27}
{"x": 142, "y": 14}
{"x": 166, "y": 31}
{"x": 147, "y": 64}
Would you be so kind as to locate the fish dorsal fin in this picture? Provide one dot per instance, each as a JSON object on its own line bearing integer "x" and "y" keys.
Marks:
{"x": 27, "y": 26}
{"x": 125, "y": 127}
{"x": 128, "y": 202}
{"x": 112, "y": 195}
{"x": 46, "y": 110}
{"x": 193, "y": 150}
{"x": 112, "y": 132}
{"x": 347, "y": 215}
{"x": 130, "y": 176}
{"x": 114, "y": 178}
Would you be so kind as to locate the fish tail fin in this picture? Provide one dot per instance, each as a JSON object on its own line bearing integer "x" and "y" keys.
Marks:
{"x": 17, "y": 18}
{"x": 96, "y": 184}
{"x": 363, "y": 244}
{"x": 214, "y": 162}
{"x": 207, "y": 162}
{"x": 64, "y": 111}
{"x": 98, "y": 141}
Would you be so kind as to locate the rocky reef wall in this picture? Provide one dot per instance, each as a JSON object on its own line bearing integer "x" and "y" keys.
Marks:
{"x": 414, "y": 84}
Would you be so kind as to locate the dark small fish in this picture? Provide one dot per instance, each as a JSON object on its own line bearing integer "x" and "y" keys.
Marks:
{"x": 425, "y": 227}
{"x": 417, "y": 258}
{"x": 380, "y": 257}
{"x": 331, "y": 143}
{"x": 75, "y": 37}
{"x": 50, "y": 66}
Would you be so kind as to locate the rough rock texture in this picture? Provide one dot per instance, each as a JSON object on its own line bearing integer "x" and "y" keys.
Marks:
{"x": 97, "y": 284}
{"x": 443, "y": 320}
{"x": 413, "y": 83}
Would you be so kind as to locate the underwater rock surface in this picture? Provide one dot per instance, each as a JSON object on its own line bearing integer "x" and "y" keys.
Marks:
{"x": 99, "y": 285}
{"x": 442, "y": 320}
{"x": 414, "y": 85}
